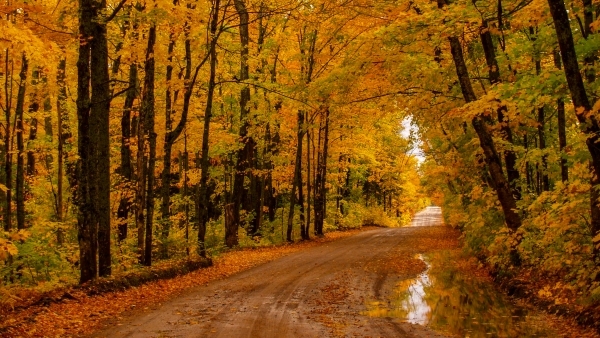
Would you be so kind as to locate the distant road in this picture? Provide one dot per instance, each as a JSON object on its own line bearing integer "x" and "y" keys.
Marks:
{"x": 431, "y": 216}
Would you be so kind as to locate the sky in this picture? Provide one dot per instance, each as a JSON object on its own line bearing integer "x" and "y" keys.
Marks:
{"x": 408, "y": 131}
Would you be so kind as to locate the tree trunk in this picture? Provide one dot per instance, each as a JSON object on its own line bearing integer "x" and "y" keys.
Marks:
{"x": 33, "y": 125}
{"x": 562, "y": 140}
{"x": 501, "y": 185}
{"x": 20, "y": 179}
{"x": 306, "y": 234}
{"x": 141, "y": 163}
{"x": 34, "y": 108}
{"x": 230, "y": 226}
{"x": 60, "y": 111}
{"x": 245, "y": 155}
{"x": 148, "y": 112}
{"x": 510, "y": 157}
{"x": 8, "y": 149}
{"x": 582, "y": 106}
{"x": 126, "y": 169}
{"x": 544, "y": 181}
{"x": 100, "y": 136}
{"x": 186, "y": 207}
{"x": 297, "y": 182}
{"x": 86, "y": 225}
{"x": 204, "y": 195}
{"x": 562, "y": 127}
{"x": 168, "y": 146}
{"x": 320, "y": 197}
{"x": 274, "y": 144}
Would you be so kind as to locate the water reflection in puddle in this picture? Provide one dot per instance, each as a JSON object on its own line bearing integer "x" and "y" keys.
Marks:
{"x": 445, "y": 300}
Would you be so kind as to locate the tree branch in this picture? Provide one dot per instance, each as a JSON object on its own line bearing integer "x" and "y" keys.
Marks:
{"x": 116, "y": 11}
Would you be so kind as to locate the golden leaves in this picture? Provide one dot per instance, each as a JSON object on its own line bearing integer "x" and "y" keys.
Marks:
{"x": 7, "y": 247}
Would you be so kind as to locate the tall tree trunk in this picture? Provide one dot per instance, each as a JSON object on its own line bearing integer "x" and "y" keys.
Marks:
{"x": 562, "y": 127}
{"x": 510, "y": 157}
{"x": 168, "y": 146}
{"x": 203, "y": 189}
{"x": 501, "y": 185}
{"x": 562, "y": 140}
{"x": 245, "y": 155}
{"x": 172, "y": 135}
{"x": 141, "y": 166}
{"x": 306, "y": 234}
{"x": 20, "y": 179}
{"x": 186, "y": 208}
{"x": 126, "y": 169}
{"x": 86, "y": 224}
{"x": 544, "y": 181}
{"x": 60, "y": 111}
{"x": 320, "y": 194}
{"x": 8, "y": 145}
{"x": 582, "y": 105}
{"x": 274, "y": 143}
{"x": 297, "y": 182}
{"x": 33, "y": 125}
{"x": 148, "y": 112}
{"x": 100, "y": 136}
{"x": 34, "y": 108}
{"x": 300, "y": 188}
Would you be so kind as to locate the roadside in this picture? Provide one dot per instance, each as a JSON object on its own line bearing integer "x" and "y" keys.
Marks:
{"x": 374, "y": 282}
{"x": 394, "y": 282}
{"x": 80, "y": 313}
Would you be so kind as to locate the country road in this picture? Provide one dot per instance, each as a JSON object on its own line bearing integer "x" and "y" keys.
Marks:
{"x": 323, "y": 291}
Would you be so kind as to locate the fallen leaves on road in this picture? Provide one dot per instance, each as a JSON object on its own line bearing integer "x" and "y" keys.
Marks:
{"x": 403, "y": 262}
{"x": 84, "y": 314}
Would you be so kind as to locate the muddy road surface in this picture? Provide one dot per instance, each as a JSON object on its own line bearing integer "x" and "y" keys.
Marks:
{"x": 323, "y": 291}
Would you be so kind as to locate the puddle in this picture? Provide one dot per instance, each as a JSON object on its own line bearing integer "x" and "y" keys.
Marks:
{"x": 447, "y": 301}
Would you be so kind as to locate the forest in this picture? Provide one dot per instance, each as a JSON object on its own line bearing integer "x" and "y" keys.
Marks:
{"x": 138, "y": 132}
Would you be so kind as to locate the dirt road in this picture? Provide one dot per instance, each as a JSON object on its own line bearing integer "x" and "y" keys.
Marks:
{"x": 320, "y": 292}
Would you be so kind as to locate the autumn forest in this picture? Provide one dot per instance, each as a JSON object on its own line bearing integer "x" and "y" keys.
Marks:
{"x": 144, "y": 134}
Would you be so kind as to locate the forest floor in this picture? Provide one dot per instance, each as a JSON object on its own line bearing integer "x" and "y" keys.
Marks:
{"x": 375, "y": 283}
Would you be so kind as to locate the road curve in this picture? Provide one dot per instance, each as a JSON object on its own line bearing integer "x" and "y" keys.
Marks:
{"x": 319, "y": 292}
